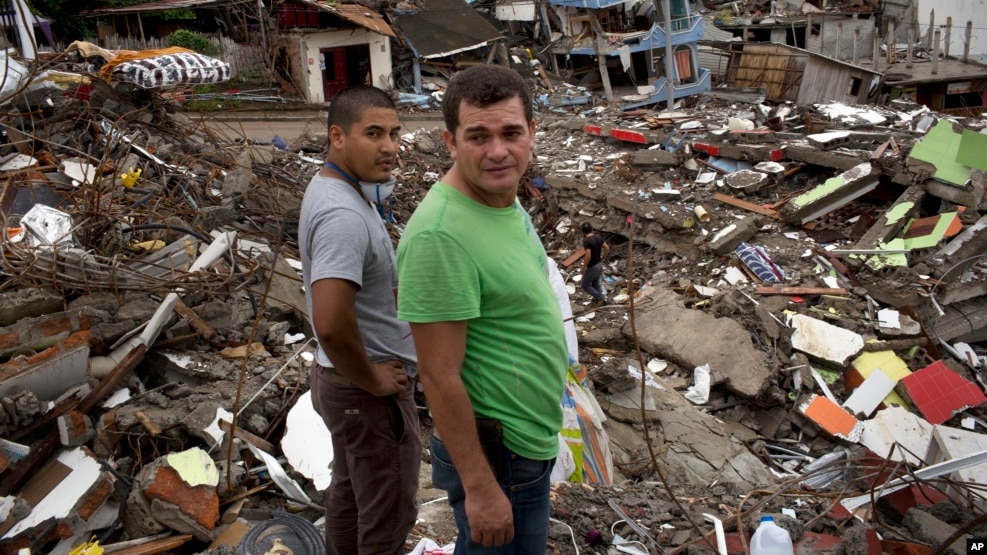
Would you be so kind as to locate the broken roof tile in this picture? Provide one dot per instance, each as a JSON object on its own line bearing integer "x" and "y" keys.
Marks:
{"x": 939, "y": 393}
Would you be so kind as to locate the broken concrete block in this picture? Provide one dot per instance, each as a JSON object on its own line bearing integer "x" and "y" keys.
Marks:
{"x": 862, "y": 540}
{"x": 952, "y": 443}
{"x": 748, "y": 181}
{"x": 958, "y": 254}
{"x": 824, "y": 341}
{"x": 182, "y": 491}
{"x": 774, "y": 170}
{"x": 830, "y": 140}
{"x": 892, "y": 220}
{"x": 832, "y": 418}
{"x": 654, "y": 160}
{"x": 63, "y": 496}
{"x": 731, "y": 236}
{"x": 75, "y": 429}
{"x": 704, "y": 452}
{"x": 19, "y": 303}
{"x": 51, "y": 372}
{"x": 939, "y": 393}
{"x": 896, "y": 427}
{"x": 138, "y": 519}
{"x": 691, "y": 338}
{"x": 836, "y": 159}
{"x": 835, "y": 192}
{"x": 929, "y": 529}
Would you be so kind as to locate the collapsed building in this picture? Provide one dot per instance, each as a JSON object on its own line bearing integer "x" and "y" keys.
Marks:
{"x": 796, "y": 322}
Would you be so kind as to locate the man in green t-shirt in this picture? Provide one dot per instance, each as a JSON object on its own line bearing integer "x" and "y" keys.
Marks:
{"x": 486, "y": 323}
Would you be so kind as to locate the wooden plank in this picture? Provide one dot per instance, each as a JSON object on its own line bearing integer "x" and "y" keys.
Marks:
{"x": 151, "y": 547}
{"x": 776, "y": 290}
{"x": 254, "y": 440}
{"x": 750, "y": 206}
{"x": 578, "y": 255}
{"x": 198, "y": 324}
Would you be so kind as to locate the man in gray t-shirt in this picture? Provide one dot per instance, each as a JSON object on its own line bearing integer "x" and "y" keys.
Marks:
{"x": 360, "y": 380}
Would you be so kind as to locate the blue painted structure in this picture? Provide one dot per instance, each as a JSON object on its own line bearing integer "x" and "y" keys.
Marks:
{"x": 686, "y": 30}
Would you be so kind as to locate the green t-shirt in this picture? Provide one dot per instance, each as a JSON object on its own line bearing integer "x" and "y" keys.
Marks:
{"x": 462, "y": 260}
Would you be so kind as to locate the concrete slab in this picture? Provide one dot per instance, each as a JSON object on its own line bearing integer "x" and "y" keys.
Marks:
{"x": 748, "y": 181}
{"x": 929, "y": 529}
{"x": 895, "y": 425}
{"x": 824, "y": 341}
{"x": 732, "y": 235}
{"x": 701, "y": 452}
{"x": 835, "y": 192}
{"x": 949, "y": 443}
{"x": 691, "y": 338}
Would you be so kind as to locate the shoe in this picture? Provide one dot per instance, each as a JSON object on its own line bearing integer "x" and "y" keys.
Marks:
{"x": 598, "y": 303}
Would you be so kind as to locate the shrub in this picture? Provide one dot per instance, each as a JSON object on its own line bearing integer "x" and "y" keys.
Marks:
{"x": 193, "y": 41}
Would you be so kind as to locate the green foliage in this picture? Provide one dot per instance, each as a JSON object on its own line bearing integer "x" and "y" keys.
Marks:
{"x": 65, "y": 13}
{"x": 172, "y": 15}
{"x": 193, "y": 41}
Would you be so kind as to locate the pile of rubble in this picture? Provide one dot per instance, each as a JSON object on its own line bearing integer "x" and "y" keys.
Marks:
{"x": 794, "y": 325}
{"x": 811, "y": 279}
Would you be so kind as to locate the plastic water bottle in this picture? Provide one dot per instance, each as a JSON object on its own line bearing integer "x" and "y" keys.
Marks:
{"x": 771, "y": 539}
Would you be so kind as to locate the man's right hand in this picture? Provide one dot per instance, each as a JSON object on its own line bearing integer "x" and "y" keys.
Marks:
{"x": 490, "y": 516}
{"x": 389, "y": 378}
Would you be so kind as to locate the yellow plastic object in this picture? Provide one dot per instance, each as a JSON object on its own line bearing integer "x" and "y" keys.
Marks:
{"x": 129, "y": 178}
{"x": 91, "y": 547}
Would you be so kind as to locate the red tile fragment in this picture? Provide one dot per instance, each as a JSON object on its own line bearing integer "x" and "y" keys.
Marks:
{"x": 893, "y": 547}
{"x": 939, "y": 393}
{"x": 913, "y": 496}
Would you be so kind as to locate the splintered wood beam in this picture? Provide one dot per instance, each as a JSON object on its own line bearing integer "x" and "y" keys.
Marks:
{"x": 768, "y": 290}
{"x": 749, "y": 206}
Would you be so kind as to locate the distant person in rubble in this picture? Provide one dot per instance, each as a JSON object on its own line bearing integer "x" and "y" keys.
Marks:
{"x": 360, "y": 381}
{"x": 486, "y": 322}
{"x": 596, "y": 249}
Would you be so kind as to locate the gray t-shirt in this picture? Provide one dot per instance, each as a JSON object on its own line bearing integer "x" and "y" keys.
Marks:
{"x": 341, "y": 236}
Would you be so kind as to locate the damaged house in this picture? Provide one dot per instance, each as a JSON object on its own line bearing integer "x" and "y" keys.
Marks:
{"x": 652, "y": 45}
{"x": 328, "y": 46}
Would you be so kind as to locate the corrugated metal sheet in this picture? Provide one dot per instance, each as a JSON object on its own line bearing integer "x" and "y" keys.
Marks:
{"x": 444, "y": 28}
{"x": 713, "y": 59}
{"x": 162, "y": 5}
{"x": 356, "y": 14}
